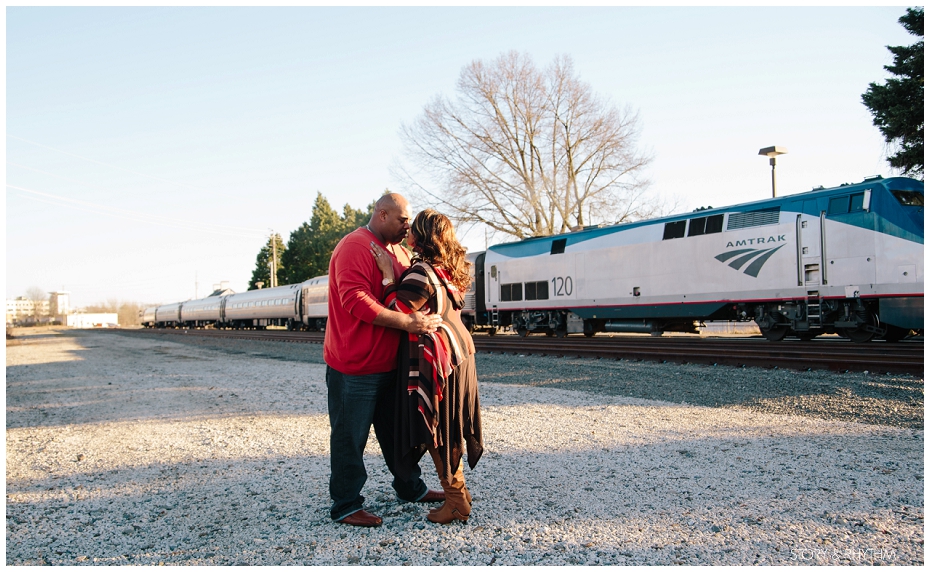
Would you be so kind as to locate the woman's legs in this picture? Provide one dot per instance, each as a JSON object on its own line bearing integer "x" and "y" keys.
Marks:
{"x": 458, "y": 500}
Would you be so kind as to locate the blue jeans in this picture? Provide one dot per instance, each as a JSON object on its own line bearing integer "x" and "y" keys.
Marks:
{"x": 355, "y": 403}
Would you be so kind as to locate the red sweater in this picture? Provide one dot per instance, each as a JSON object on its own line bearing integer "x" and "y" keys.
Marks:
{"x": 353, "y": 344}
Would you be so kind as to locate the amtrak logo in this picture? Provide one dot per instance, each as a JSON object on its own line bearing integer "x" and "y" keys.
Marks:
{"x": 756, "y": 259}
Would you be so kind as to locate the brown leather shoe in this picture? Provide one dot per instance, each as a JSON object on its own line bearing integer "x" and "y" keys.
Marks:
{"x": 433, "y": 496}
{"x": 361, "y": 518}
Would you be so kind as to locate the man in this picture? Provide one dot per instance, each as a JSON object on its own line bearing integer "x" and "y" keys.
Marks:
{"x": 360, "y": 350}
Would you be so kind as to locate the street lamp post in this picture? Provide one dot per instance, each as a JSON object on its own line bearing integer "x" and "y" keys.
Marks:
{"x": 771, "y": 153}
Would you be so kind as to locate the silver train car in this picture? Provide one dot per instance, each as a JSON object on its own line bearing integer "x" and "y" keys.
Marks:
{"x": 261, "y": 308}
{"x": 295, "y": 306}
{"x": 147, "y": 317}
{"x": 314, "y": 304}
{"x": 846, "y": 260}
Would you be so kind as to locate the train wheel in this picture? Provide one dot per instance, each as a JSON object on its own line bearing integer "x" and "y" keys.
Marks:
{"x": 895, "y": 334}
{"x": 561, "y": 333}
{"x": 523, "y": 332}
{"x": 863, "y": 333}
{"x": 589, "y": 329}
{"x": 549, "y": 333}
{"x": 492, "y": 330}
{"x": 857, "y": 335}
{"x": 774, "y": 333}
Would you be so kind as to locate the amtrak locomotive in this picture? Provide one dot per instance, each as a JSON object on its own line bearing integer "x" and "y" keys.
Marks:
{"x": 846, "y": 260}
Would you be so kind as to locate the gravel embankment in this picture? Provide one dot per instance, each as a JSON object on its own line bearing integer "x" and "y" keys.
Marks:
{"x": 130, "y": 449}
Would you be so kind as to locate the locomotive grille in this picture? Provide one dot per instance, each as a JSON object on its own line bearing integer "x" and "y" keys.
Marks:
{"x": 753, "y": 218}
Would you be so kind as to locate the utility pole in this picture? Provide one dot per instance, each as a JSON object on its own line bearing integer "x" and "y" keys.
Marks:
{"x": 274, "y": 260}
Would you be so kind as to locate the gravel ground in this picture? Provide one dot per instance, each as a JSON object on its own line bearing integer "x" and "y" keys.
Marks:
{"x": 134, "y": 449}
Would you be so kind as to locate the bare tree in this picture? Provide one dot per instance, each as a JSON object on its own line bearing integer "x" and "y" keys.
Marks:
{"x": 528, "y": 152}
{"x": 37, "y": 296}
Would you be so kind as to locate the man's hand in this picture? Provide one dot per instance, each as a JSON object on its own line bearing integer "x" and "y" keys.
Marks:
{"x": 421, "y": 323}
{"x": 415, "y": 323}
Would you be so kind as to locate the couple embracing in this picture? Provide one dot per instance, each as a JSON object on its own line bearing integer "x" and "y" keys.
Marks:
{"x": 399, "y": 357}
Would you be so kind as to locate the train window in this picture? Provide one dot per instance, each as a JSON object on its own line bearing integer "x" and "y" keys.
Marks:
{"x": 856, "y": 202}
{"x": 512, "y": 292}
{"x": 558, "y": 247}
{"x": 909, "y": 198}
{"x": 674, "y": 229}
{"x": 696, "y": 226}
{"x": 750, "y": 219}
{"x": 537, "y": 290}
{"x": 838, "y": 205}
{"x": 714, "y": 224}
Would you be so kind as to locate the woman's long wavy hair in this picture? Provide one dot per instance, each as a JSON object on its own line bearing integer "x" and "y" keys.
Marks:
{"x": 437, "y": 244}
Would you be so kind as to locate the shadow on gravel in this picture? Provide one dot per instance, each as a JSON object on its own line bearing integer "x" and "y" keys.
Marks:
{"x": 708, "y": 501}
{"x": 110, "y": 384}
{"x": 661, "y": 497}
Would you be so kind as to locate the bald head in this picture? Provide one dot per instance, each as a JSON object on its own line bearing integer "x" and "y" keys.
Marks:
{"x": 390, "y": 220}
{"x": 388, "y": 202}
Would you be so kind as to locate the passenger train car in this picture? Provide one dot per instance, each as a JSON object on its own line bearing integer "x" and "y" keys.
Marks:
{"x": 296, "y": 306}
{"x": 847, "y": 260}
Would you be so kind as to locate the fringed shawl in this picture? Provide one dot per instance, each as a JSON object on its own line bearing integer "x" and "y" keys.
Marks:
{"x": 436, "y": 406}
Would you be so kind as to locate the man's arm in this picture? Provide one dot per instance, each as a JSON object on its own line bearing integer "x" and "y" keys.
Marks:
{"x": 415, "y": 323}
{"x": 357, "y": 266}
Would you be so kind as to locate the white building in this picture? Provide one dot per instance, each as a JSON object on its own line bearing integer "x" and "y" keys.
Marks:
{"x": 59, "y": 304}
{"x": 109, "y": 320}
{"x": 22, "y": 309}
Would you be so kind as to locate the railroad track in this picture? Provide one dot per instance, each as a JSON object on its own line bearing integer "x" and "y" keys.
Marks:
{"x": 831, "y": 354}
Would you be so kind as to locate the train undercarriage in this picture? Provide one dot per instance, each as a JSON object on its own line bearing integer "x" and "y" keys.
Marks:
{"x": 856, "y": 319}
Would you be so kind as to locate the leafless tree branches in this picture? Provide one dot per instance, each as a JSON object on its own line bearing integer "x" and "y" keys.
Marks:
{"x": 528, "y": 152}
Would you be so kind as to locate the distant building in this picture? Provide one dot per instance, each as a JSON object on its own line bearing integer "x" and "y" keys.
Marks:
{"x": 221, "y": 289}
{"x": 59, "y": 305}
{"x": 110, "y": 320}
{"x": 22, "y": 310}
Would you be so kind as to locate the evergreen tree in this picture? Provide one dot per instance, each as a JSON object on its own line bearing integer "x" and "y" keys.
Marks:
{"x": 898, "y": 106}
{"x": 311, "y": 245}
{"x": 262, "y": 272}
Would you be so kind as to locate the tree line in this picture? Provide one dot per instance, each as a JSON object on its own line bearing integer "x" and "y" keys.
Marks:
{"x": 308, "y": 250}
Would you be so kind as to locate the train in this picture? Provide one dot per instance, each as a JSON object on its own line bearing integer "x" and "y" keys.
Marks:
{"x": 295, "y": 306}
{"x": 845, "y": 260}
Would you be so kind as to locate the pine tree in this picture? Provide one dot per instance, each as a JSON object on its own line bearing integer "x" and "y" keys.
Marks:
{"x": 262, "y": 272}
{"x": 311, "y": 245}
{"x": 898, "y": 106}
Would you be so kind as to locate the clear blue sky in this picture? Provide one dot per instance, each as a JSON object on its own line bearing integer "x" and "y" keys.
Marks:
{"x": 149, "y": 149}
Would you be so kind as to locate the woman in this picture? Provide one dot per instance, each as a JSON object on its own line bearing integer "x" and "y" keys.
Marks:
{"x": 438, "y": 407}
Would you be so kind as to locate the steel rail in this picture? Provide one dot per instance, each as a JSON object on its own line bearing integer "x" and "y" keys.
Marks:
{"x": 831, "y": 354}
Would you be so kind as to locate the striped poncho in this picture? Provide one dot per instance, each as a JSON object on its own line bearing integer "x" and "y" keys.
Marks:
{"x": 432, "y": 411}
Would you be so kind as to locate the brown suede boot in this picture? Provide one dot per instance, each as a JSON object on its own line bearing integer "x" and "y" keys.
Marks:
{"x": 458, "y": 501}
{"x": 446, "y": 515}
